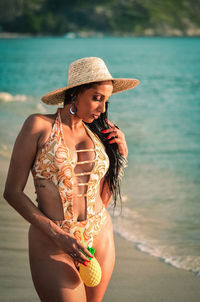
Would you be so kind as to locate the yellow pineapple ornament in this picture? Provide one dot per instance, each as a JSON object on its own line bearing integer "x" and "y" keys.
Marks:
{"x": 90, "y": 274}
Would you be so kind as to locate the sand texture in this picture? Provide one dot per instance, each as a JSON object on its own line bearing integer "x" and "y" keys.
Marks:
{"x": 137, "y": 277}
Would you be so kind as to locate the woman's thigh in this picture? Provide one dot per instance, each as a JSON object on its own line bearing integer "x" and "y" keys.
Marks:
{"x": 105, "y": 254}
{"x": 54, "y": 274}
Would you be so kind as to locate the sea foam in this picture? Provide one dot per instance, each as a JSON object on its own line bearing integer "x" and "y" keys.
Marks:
{"x": 7, "y": 97}
{"x": 127, "y": 225}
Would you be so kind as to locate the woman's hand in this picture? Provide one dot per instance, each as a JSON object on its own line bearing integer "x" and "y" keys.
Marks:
{"x": 118, "y": 137}
{"x": 71, "y": 246}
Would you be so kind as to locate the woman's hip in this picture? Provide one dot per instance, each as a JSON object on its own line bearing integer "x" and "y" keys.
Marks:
{"x": 95, "y": 229}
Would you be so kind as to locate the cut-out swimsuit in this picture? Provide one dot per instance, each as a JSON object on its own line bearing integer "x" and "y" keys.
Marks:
{"x": 57, "y": 163}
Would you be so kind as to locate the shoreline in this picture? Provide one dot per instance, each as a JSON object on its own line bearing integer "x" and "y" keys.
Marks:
{"x": 140, "y": 277}
{"x": 87, "y": 34}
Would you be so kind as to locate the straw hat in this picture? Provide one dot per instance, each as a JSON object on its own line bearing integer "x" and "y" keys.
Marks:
{"x": 84, "y": 71}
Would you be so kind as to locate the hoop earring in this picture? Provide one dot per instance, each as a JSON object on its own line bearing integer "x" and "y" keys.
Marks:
{"x": 73, "y": 109}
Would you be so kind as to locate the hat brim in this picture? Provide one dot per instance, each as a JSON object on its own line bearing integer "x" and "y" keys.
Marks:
{"x": 56, "y": 97}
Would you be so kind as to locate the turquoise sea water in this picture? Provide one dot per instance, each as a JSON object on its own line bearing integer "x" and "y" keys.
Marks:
{"x": 160, "y": 118}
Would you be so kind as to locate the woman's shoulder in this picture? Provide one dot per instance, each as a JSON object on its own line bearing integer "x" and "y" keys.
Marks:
{"x": 38, "y": 122}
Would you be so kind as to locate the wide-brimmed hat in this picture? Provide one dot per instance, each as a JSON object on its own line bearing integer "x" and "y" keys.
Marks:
{"x": 84, "y": 71}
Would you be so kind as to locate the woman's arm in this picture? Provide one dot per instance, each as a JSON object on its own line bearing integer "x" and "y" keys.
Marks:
{"x": 22, "y": 158}
{"x": 23, "y": 155}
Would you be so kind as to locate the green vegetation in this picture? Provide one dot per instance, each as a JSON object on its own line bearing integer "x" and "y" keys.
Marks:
{"x": 118, "y": 17}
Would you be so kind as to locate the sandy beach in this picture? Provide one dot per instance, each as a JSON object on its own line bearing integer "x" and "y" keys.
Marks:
{"x": 137, "y": 277}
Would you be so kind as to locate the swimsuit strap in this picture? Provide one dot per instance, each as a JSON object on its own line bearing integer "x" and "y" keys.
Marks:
{"x": 58, "y": 123}
{"x": 55, "y": 131}
{"x": 52, "y": 136}
{"x": 83, "y": 150}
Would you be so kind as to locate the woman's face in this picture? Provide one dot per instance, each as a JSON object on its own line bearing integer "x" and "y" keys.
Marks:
{"x": 92, "y": 102}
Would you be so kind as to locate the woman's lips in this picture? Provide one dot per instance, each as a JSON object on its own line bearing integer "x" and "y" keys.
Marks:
{"x": 95, "y": 116}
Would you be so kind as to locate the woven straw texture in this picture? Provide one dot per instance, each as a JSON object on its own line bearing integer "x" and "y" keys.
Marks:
{"x": 88, "y": 70}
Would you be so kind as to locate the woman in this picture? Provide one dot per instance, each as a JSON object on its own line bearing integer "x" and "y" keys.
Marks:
{"x": 76, "y": 157}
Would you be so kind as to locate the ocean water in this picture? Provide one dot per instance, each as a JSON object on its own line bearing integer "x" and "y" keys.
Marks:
{"x": 160, "y": 119}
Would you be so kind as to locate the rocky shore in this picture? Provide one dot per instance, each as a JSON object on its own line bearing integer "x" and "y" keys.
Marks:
{"x": 149, "y": 32}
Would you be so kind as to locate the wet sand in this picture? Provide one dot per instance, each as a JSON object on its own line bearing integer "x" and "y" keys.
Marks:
{"x": 137, "y": 276}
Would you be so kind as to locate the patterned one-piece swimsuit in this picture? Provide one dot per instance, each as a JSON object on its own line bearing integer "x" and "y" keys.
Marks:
{"x": 57, "y": 163}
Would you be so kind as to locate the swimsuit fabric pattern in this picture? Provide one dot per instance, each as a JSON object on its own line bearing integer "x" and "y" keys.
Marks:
{"x": 57, "y": 163}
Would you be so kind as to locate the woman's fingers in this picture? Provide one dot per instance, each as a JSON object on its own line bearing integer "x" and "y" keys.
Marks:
{"x": 80, "y": 257}
{"x": 107, "y": 130}
{"x": 113, "y": 127}
{"x": 75, "y": 248}
{"x": 85, "y": 251}
{"x": 112, "y": 134}
{"x": 115, "y": 140}
{"x": 115, "y": 135}
{"x": 110, "y": 123}
{"x": 80, "y": 253}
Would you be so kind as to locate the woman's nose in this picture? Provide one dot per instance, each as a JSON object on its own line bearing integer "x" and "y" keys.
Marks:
{"x": 102, "y": 107}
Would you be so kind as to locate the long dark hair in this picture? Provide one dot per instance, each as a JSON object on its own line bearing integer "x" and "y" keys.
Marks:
{"x": 113, "y": 175}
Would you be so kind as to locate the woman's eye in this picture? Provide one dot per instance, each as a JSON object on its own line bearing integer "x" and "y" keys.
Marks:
{"x": 96, "y": 98}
